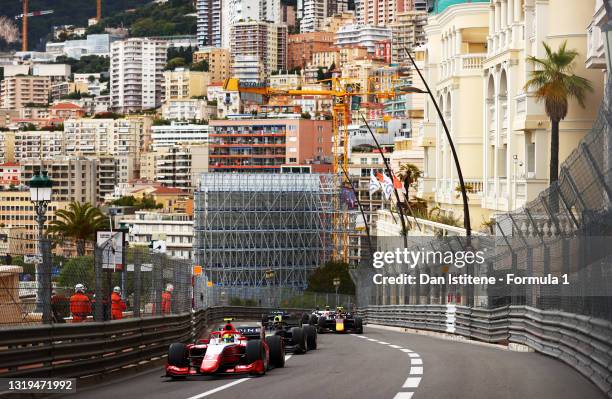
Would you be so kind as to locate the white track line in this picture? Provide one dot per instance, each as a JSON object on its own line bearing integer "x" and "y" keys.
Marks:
{"x": 412, "y": 354}
{"x": 412, "y": 382}
{"x": 222, "y": 387}
{"x": 384, "y": 343}
{"x": 416, "y": 362}
{"x": 395, "y": 346}
{"x": 403, "y": 395}
{"x": 416, "y": 370}
{"x": 373, "y": 340}
{"x": 406, "y": 350}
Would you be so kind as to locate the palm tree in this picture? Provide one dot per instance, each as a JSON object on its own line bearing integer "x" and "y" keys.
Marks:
{"x": 79, "y": 222}
{"x": 408, "y": 173}
{"x": 554, "y": 83}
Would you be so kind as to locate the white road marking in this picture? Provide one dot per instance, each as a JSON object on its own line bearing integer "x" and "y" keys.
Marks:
{"x": 361, "y": 336}
{"x": 228, "y": 385}
{"x": 395, "y": 346}
{"x": 416, "y": 361}
{"x": 384, "y": 343}
{"x": 372, "y": 339}
{"x": 221, "y": 388}
{"x": 412, "y": 382}
{"x": 403, "y": 395}
{"x": 406, "y": 350}
{"x": 413, "y": 355}
{"x": 416, "y": 370}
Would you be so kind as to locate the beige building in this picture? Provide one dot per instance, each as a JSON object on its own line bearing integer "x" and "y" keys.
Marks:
{"x": 286, "y": 81}
{"x": 183, "y": 83}
{"x": 516, "y": 139}
{"x": 266, "y": 41}
{"x": 325, "y": 59}
{"x": 219, "y": 61}
{"x": 17, "y": 211}
{"x": 17, "y": 91}
{"x": 333, "y": 23}
{"x": 181, "y": 166}
{"x": 34, "y": 144}
{"x": 81, "y": 179}
{"x": 455, "y": 52}
{"x": 407, "y": 32}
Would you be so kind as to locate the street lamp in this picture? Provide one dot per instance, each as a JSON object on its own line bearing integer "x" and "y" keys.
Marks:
{"x": 336, "y": 283}
{"x": 41, "y": 187}
{"x": 269, "y": 276}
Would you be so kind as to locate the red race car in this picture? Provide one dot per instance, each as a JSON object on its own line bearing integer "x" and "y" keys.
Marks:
{"x": 227, "y": 351}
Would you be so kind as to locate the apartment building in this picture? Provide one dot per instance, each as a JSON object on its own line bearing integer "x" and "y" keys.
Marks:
{"x": 271, "y": 11}
{"x": 182, "y": 83}
{"x": 314, "y": 13}
{"x": 209, "y": 25}
{"x": 136, "y": 74}
{"x": 325, "y": 59}
{"x": 454, "y": 57}
{"x": 10, "y": 175}
{"x": 35, "y": 144}
{"x": 181, "y": 166}
{"x": 218, "y": 59}
{"x": 286, "y": 81}
{"x": 17, "y": 211}
{"x": 516, "y": 140}
{"x": 265, "y": 41}
{"x": 17, "y": 91}
{"x": 175, "y": 229}
{"x": 380, "y": 12}
{"x": 301, "y": 47}
{"x": 333, "y": 23}
{"x": 407, "y": 33}
{"x": 362, "y": 36}
{"x": 188, "y": 110}
{"x": 263, "y": 145}
{"x": 80, "y": 179}
{"x": 235, "y": 11}
{"x": 178, "y": 133}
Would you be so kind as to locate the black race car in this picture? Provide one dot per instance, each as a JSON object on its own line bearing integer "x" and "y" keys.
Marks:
{"x": 298, "y": 337}
{"x": 337, "y": 320}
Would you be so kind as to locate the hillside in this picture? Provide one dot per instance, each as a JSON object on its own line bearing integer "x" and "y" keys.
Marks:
{"x": 144, "y": 18}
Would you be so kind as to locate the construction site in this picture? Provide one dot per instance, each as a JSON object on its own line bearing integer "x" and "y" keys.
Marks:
{"x": 257, "y": 232}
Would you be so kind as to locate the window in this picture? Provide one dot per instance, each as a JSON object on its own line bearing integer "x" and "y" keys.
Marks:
{"x": 292, "y": 160}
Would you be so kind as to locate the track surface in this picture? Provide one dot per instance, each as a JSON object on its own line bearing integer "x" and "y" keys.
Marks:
{"x": 378, "y": 365}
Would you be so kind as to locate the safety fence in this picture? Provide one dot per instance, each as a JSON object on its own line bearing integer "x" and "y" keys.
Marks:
{"x": 84, "y": 349}
{"x": 583, "y": 342}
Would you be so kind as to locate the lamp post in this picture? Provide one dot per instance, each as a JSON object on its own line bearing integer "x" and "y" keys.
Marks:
{"x": 269, "y": 276}
{"x": 40, "y": 194}
{"x": 336, "y": 283}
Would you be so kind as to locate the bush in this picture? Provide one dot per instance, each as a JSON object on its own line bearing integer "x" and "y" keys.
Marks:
{"x": 322, "y": 278}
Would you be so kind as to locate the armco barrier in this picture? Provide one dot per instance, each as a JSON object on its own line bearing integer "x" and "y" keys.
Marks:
{"x": 77, "y": 350}
{"x": 583, "y": 342}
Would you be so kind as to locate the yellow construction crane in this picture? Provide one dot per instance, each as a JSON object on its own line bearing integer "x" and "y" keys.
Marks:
{"x": 24, "y": 26}
{"x": 341, "y": 90}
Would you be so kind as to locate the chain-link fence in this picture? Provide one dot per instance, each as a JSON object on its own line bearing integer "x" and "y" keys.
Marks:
{"x": 41, "y": 286}
{"x": 565, "y": 233}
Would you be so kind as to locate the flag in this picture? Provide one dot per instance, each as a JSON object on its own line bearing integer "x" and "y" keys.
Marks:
{"x": 397, "y": 183}
{"x": 374, "y": 183}
{"x": 387, "y": 187}
{"x": 349, "y": 198}
{"x": 380, "y": 177}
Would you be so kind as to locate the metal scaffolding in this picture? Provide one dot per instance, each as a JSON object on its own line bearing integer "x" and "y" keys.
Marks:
{"x": 256, "y": 229}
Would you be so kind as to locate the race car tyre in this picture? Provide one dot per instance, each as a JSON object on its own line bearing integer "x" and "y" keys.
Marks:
{"x": 299, "y": 340}
{"x": 312, "y": 320}
{"x": 177, "y": 355}
{"x": 277, "y": 351}
{"x": 305, "y": 318}
{"x": 256, "y": 351}
{"x": 359, "y": 325}
{"x": 321, "y": 325}
{"x": 311, "y": 337}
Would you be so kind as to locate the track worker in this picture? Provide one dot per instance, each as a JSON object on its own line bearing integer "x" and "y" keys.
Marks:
{"x": 117, "y": 304}
{"x": 80, "y": 305}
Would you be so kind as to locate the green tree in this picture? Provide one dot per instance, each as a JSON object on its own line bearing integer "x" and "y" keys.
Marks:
{"x": 322, "y": 280}
{"x": 78, "y": 271}
{"x": 408, "y": 173}
{"x": 555, "y": 83}
{"x": 79, "y": 222}
{"x": 176, "y": 62}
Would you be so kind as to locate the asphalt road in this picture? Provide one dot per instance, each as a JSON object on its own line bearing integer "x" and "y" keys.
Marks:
{"x": 379, "y": 364}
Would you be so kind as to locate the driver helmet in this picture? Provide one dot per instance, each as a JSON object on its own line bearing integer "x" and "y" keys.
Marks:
{"x": 227, "y": 338}
{"x": 278, "y": 318}
{"x": 327, "y": 308}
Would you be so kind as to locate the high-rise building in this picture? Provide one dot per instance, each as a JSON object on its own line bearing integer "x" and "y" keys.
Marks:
{"x": 166, "y": 136}
{"x": 263, "y": 145}
{"x": 180, "y": 166}
{"x": 382, "y": 12}
{"x": 17, "y": 91}
{"x": 235, "y": 11}
{"x": 246, "y": 68}
{"x": 136, "y": 74}
{"x": 218, "y": 59}
{"x": 270, "y": 11}
{"x": 313, "y": 14}
{"x": 266, "y": 41}
{"x": 407, "y": 33}
{"x": 362, "y": 36}
{"x": 34, "y": 144}
{"x": 209, "y": 23}
{"x": 300, "y": 47}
